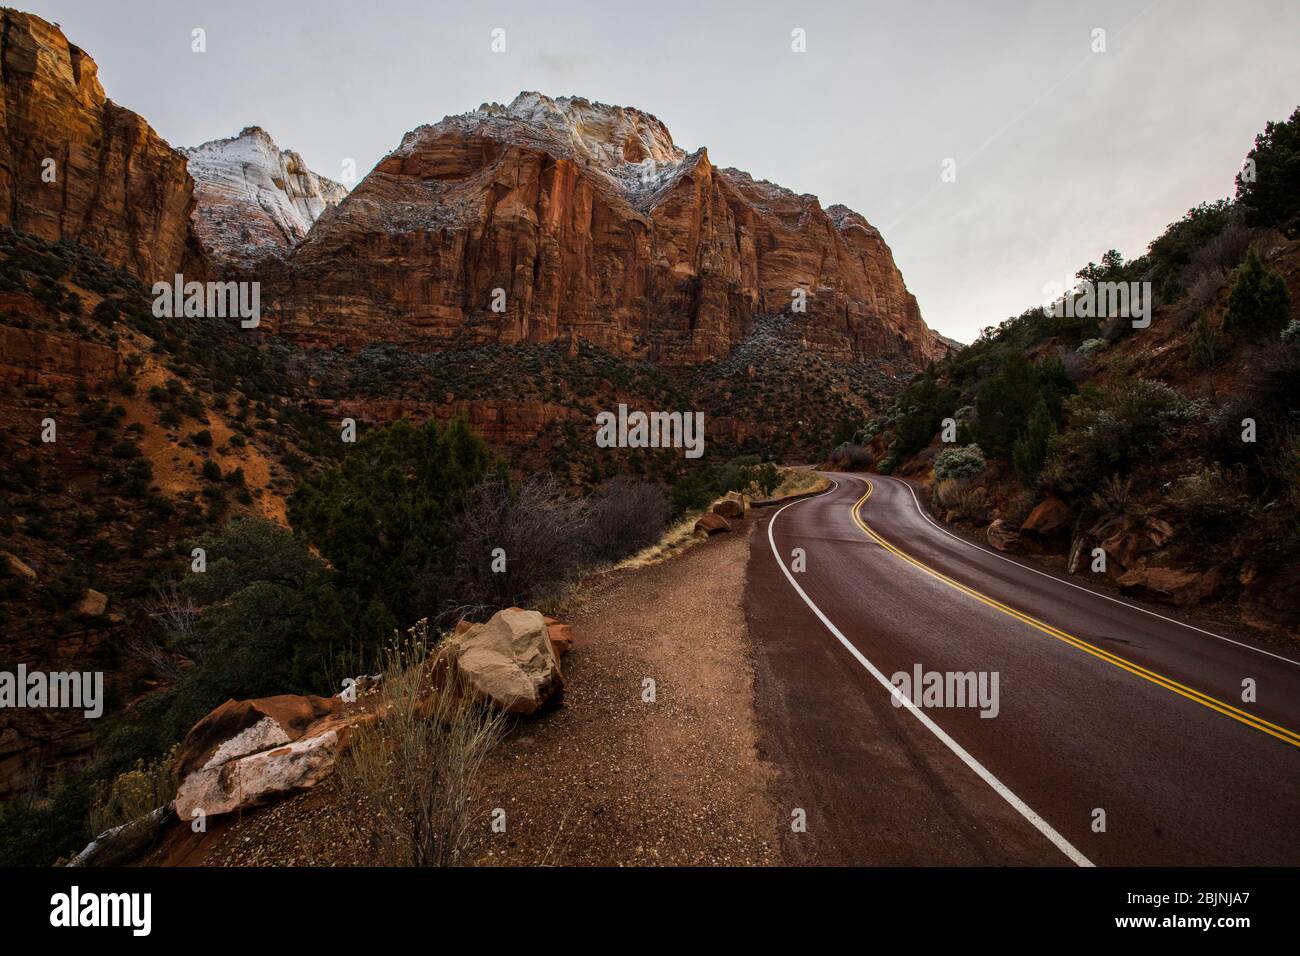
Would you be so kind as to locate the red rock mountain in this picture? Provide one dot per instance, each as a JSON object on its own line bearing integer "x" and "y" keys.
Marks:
{"x": 113, "y": 184}
{"x": 590, "y": 220}
{"x": 598, "y": 227}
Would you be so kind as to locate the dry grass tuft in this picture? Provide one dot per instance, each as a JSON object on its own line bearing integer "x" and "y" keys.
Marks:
{"x": 416, "y": 765}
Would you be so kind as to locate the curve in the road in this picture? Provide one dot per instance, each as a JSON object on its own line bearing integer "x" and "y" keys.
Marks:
{"x": 1205, "y": 700}
{"x": 1178, "y": 783}
{"x": 1001, "y": 789}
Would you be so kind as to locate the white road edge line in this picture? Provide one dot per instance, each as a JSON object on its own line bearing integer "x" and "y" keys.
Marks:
{"x": 1078, "y": 587}
{"x": 1001, "y": 789}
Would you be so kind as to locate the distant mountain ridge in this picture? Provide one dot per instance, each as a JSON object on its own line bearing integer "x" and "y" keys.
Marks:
{"x": 595, "y": 226}
{"x": 544, "y": 220}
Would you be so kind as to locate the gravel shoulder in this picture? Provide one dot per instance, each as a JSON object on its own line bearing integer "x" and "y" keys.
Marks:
{"x": 614, "y": 779}
{"x": 610, "y": 778}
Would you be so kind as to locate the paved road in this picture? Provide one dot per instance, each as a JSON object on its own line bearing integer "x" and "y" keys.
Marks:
{"x": 1104, "y": 707}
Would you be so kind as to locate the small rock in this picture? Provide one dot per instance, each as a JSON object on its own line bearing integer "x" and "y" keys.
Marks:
{"x": 17, "y": 567}
{"x": 92, "y": 603}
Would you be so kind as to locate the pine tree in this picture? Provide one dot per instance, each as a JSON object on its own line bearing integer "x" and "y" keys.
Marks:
{"x": 1259, "y": 298}
{"x": 1030, "y": 453}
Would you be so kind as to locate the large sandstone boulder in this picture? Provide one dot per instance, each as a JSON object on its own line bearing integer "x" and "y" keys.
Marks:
{"x": 1170, "y": 585}
{"x": 1047, "y": 528}
{"x": 729, "y": 508}
{"x": 240, "y": 727}
{"x": 1128, "y": 540}
{"x": 259, "y": 777}
{"x": 249, "y": 751}
{"x": 509, "y": 661}
{"x": 560, "y": 635}
{"x": 711, "y": 524}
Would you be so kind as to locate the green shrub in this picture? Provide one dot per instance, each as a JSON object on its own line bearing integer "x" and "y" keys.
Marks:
{"x": 922, "y": 406}
{"x": 1110, "y": 431}
{"x": 1008, "y": 399}
{"x": 1259, "y": 298}
{"x": 957, "y": 463}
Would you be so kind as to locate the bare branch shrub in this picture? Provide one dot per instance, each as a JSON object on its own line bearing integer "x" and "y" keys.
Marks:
{"x": 1201, "y": 290}
{"x": 177, "y": 616}
{"x": 539, "y": 530}
{"x": 1225, "y": 251}
{"x": 624, "y": 516}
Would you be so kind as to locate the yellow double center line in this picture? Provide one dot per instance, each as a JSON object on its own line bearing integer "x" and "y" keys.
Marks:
{"x": 1205, "y": 700}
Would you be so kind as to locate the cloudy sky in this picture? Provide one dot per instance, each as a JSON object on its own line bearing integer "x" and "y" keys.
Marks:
{"x": 1060, "y": 152}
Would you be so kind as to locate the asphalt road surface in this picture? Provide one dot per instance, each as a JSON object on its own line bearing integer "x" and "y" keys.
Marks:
{"x": 1121, "y": 736}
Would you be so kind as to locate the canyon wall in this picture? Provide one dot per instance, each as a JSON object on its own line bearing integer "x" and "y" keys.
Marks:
{"x": 74, "y": 165}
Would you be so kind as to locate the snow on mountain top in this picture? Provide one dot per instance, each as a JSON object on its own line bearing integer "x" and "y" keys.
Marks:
{"x": 631, "y": 147}
{"x": 253, "y": 198}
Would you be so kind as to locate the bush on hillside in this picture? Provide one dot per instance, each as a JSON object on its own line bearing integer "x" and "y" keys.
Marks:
{"x": 1007, "y": 399}
{"x": 1259, "y": 299}
{"x": 1109, "y": 432}
{"x": 921, "y": 406}
{"x": 1205, "y": 346}
{"x": 957, "y": 463}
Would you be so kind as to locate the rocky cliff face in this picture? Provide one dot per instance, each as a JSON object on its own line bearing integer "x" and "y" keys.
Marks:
{"x": 74, "y": 165}
{"x": 253, "y": 199}
{"x": 595, "y": 226}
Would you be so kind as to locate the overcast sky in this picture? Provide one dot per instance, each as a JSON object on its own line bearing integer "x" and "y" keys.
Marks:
{"x": 1061, "y": 153}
